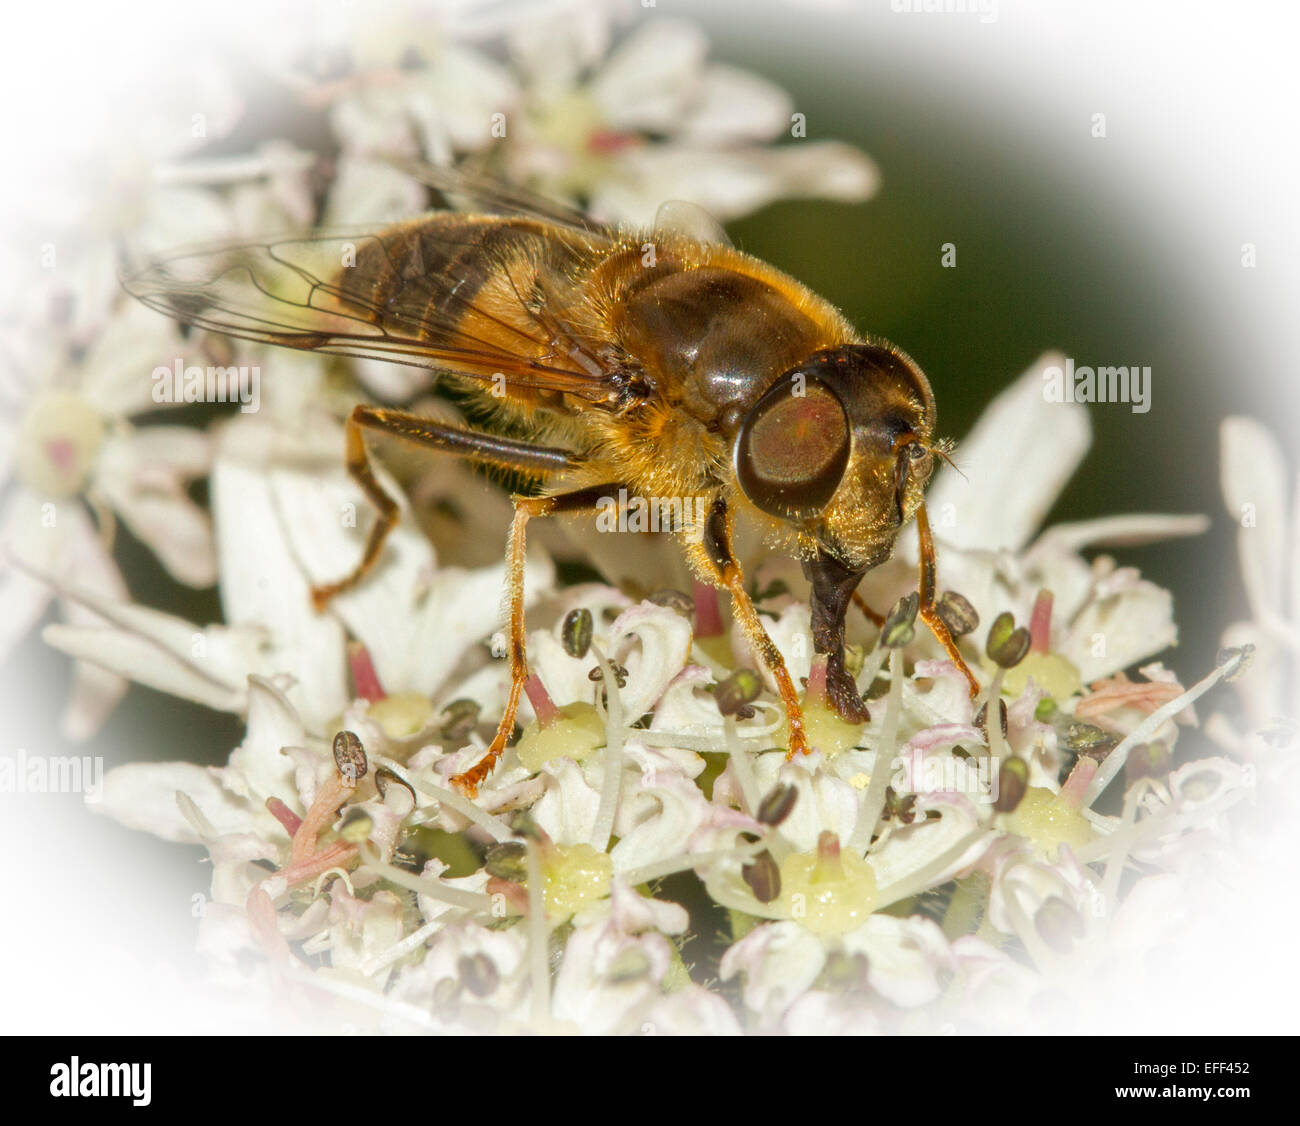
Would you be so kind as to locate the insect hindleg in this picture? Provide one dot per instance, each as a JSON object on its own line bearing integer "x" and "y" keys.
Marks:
{"x": 725, "y": 572}
{"x": 928, "y": 614}
{"x": 487, "y": 449}
{"x": 581, "y": 500}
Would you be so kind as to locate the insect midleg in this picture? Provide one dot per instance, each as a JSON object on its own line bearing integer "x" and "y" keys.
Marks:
{"x": 580, "y": 500}
{"x": 867, "y": 612}
{"x": 487, "y": 449}
{"x": 928, "y": 614}
{"x": 727, "y": 574}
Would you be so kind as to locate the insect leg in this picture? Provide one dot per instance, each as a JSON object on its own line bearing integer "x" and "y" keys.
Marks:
{"x": 487, "y": 449}
{"x": 726, "y": 573}
{"x": 929, "y": 615}
{"x": 867, "y": 612}
{"x": 581, "y": 500}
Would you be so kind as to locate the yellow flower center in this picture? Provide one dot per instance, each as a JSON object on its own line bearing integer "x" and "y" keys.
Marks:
{"x": 826, "y": 731}
{"x": 1047, "y": 822}
{"x": 577, "y": 734}
{"x": 402, "y": 714}
{"x": 575, "y": 876}
{"x": 828, "y": 895}
{"x": 1051, "y": 672}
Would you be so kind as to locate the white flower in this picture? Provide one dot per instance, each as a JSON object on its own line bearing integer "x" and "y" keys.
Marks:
{"x": 780, "y": 961}
{"x": 1255, "y": 487}
{"x": 79, "y": 368}
{"x": 654, "y": 121}
{"x": 279, "y": 529}
{"x": 609, "y": 981}
{"x": 75, "y": 465}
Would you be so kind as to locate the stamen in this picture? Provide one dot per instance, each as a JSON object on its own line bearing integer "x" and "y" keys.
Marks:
{"x": 615, "y": 736}
{"x": 741, "y": 766}
{"x": 496, "y": 828}
{"x": 283, "y": 814}
{"x": 928, "y": 875}
{"x": 1076, "y": 785}
{"x": 543, "y": 706}
{"x": 1149, "y": 726}
{"x": 688, "y": 861}
{"x": 1036, "y": 948}
{"x": 1040, "y": 623}
{"x": 264, "y": 924}
{"x": 874, "y": 802}
{"x": 412, "y": 942}
{"x": 538, "y": 954}
{"x": 340, "y": 852}
{"x": 708, "y": 610}
{"x": 422, "y": 885}
{"x": 365, "y": 681}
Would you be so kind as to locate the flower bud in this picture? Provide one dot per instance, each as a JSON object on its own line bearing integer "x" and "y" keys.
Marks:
{"x": 349, "y": 757}
{"x": 776, "y": 807}
{"x": 900, "y": 625}
{"x": 957, "y": 613}
{"x": 478, "y": 973}
{"x": 1013, "y": 782}
{"x": 674, "y": 600}
{"x": 763, "y": 877}
{"x": 508, "y": 861}
{"x": 737, "y": 690}
{"x": 575, "y": 632}
{"x": 1007, "y": 644}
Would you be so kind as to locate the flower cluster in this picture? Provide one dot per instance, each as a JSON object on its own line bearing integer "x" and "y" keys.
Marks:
{"x": 646, "y": 858}
{"x": 942, "y": 864}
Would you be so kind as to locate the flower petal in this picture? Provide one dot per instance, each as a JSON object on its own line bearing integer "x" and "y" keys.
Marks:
{"x": 142, "y": 796}
{"x": 734, "y": 182}
{"x": 1254, "y": 479}
{"x": 143, "y": 474}
{"x": 1014, "y": 464}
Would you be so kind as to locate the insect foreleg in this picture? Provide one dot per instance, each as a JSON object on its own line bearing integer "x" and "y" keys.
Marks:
{"x": 724, "y": 570}
{"x": 927, "y": 611}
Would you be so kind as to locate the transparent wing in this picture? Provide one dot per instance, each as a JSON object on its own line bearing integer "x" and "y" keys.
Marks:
{"x": 424, "y": 293}
{"x": 474, "y": 191}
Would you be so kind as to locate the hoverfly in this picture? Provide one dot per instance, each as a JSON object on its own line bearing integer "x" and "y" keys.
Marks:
{"x": 692, "y": 371}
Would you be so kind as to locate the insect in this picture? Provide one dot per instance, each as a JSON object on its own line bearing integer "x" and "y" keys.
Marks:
{"x": 665, "y": 364}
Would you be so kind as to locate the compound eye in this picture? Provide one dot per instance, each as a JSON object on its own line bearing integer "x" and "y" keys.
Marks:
{"x": 792, "y": 449}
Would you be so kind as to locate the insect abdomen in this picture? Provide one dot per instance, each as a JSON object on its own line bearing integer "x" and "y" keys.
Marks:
{"x": 393, "y": 270}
